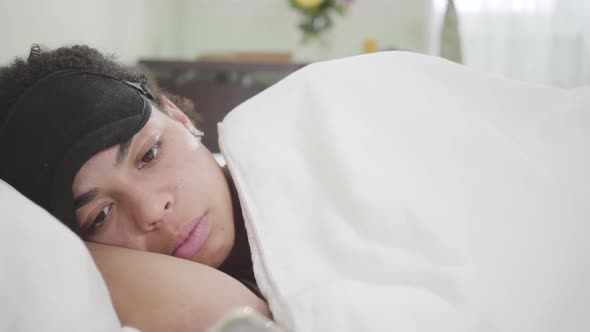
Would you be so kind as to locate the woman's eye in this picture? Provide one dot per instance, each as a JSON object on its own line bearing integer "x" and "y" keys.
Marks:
{"x": 150, "y": 155}
{"x": 100, "y": 218}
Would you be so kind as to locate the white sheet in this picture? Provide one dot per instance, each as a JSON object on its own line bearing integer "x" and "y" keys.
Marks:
{"x": 401, "y": 192}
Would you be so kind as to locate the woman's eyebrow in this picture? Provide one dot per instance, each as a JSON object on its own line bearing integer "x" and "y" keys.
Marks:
{"x": 85, "y": 198}
{"x": 122, "y": 153}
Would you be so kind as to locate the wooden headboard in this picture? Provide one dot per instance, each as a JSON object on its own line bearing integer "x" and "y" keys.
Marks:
{"x": 215, "y": 87}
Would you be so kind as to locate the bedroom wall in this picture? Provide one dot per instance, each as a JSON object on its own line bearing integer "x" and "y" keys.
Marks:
{"x": 135, "y": 29}
{"x": 268, "y": 25}
{"x": 130, "y": 28}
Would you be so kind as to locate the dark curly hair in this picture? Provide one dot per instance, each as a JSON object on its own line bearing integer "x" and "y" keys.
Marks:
{"x": 17, "y": 77}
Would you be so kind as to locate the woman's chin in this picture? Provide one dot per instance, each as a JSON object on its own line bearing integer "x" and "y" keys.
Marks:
{"x": 214, "y": 253}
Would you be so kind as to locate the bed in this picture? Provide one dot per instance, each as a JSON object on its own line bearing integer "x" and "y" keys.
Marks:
{"x": 385, "y": 192}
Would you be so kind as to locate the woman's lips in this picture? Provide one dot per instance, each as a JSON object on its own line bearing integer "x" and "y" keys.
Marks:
{"x": 194, "y": 240}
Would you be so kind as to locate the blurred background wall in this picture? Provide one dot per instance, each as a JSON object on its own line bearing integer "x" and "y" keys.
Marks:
{"x": 183, "y": 29}
{"x": 545, "y": 41}
{"x": 129, "y": 28}
{"x": 267, "y": 25}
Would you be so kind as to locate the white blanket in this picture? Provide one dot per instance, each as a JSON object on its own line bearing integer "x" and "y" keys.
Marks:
{"x": 401, "y": 192}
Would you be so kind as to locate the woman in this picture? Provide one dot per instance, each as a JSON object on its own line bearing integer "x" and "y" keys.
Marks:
{"x": 112, "y": 157}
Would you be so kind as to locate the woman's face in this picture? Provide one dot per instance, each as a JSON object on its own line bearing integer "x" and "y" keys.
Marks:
{"x": 163, "y": 193}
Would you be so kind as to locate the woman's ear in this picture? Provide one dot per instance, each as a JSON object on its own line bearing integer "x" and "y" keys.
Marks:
{"x": 176, "y": 113}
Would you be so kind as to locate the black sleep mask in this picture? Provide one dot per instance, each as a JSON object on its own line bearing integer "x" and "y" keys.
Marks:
{"x": 61, "y": 122}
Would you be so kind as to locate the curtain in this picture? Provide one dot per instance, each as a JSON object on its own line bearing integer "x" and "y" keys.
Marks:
{"x": 543, "y": 41}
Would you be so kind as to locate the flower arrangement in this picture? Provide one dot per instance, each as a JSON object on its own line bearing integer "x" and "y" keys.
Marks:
{"x": 317, "y": 15}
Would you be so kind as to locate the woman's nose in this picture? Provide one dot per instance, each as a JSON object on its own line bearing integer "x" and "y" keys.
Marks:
{"x": 152, "y": 209}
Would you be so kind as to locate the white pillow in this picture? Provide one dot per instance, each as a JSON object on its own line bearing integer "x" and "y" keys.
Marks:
{"x": 49, "y": 281}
